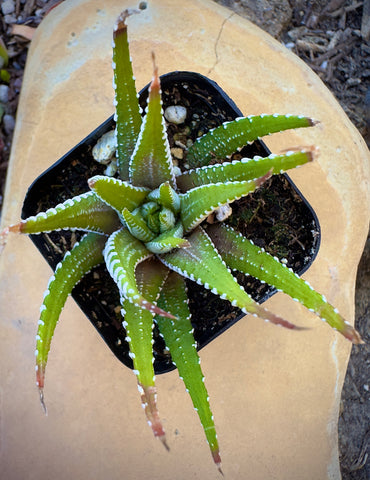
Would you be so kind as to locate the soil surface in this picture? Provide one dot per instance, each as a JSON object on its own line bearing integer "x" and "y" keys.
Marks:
{"x": 332, "y": 37}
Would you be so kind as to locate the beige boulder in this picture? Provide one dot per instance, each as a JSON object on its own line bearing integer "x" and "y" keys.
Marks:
{"x": 274, "y": 393}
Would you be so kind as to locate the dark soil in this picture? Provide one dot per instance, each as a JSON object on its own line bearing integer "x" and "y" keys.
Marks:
{"x": 332, "y": 37}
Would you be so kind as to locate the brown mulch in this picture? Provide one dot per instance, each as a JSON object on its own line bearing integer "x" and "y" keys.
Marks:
{"x": 332, "y": 37}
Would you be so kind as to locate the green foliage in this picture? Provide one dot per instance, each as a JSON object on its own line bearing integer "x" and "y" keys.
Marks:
{"x": 148, "y": 227}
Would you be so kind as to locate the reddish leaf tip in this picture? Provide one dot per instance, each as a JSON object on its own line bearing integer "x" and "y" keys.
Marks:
{"x": 155, "y": 85}
{"x": 312, "y": 151}
{"x": 217, "y": 459}
{"x": 154, "y": 309}
{"x": 16, "y": 228}
{"x": 275, "y": 319}
{"x": 120, "y": 25}
{"x": 263, "y": 179}
{"x": 352, "y": 335}
{"x": 312, "y": 122}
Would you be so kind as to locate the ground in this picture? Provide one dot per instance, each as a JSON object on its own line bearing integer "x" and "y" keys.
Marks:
{"x": 332, "y": 37}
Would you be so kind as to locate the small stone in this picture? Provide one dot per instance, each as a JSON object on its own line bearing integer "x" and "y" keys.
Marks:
{"x": 177, "y": 153}
{"x": 9, "y": 123}
{"x": 105, "y": 148}
{"x": 111, "y": 169}
{"x": 175, "y": 114}
{"x": 10, "y": 19}
{"x": 4, "y": 93}
{"x": 8, "y": 7}
{"x": 223, "y": 212}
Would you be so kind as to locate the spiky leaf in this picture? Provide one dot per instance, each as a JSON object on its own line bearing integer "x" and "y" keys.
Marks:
{"x": 169, "y": 240}
{"x": 241, "y": 254}
{"x": 137, "y": 226}
{"x": 198, "y": 203}
{"x": 165, "y": 195}
{"x": 228, "y": 137}
{"x": 202, "y": 263}
{"x": 178, "y": 335}
{"x": 151, "y": 162}
{"x": 76, "y": 263}
{"x": 84, "y": 212}
{"x": 122, "y": 254}
{"x": 138, "y": 323}
{"x": 117, "y": 193}
{"x": 128, "y": 118}
{"x": 244, "y": 169}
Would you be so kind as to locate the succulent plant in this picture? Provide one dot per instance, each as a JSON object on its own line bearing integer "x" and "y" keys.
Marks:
{"x": 149, "y": 227}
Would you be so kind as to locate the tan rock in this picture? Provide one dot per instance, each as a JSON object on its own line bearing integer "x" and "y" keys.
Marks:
{"x": 275, "y": 393}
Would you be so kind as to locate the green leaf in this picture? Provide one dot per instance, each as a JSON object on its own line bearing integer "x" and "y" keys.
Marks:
{"x": 168, "y": 240}
{"x": 137, "y": 226}
{"x": 151, "y": 162}
{"x": 122, "y": 254}
{"x": 117, "y": 193}
{"x": 202, "y": 263}
{"x": 244, "y": 169}
{"x": 83, "y": 212}
{"x": 241, "y": 254}
{"x": 228, "y": 137}
{"x": 128, "y": 118}
{"x": 4, "y": 76}
{"x": 165, "y": 195}
{"x": 150, "y": 275}
{"x": 178, "y": 335}
{"x": 4, "y": 57}
{"x": 81, "y": 259}
{"x": 198, "y": 203}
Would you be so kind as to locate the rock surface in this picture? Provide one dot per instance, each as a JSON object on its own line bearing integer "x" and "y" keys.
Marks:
{"x": 275, "y": 395}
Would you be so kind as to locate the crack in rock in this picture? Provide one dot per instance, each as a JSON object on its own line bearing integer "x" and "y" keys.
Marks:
{"x": 217, "y": 41}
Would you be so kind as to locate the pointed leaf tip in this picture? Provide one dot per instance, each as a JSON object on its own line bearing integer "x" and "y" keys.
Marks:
{"x": 121, "y": 20}
{"x": 155, "y": 83}
{"x": 164, "y": 442}
{"x": 156, "y": 310}
{"x": 352, "y": 335}
{"x": 312, "y": 122}
{"x": 312, "y": 151}
{"x": 217, "y": 459}
{"x": 261, "y": 180}
{"x": 271, "y": 317}
{"x": 42, "y": 401}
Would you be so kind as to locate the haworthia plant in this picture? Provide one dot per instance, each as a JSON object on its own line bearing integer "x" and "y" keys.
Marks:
{"x": 149, "y": 228}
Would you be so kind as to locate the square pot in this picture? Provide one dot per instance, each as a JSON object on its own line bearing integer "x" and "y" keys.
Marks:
{"x": 275, "y": 217}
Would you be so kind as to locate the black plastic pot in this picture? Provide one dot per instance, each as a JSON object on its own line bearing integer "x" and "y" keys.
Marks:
{"x": 96, "y": 294}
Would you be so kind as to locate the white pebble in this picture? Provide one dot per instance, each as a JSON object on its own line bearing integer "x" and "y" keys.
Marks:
{"x": 111, "y": 169}
{"x": 10, "y": 19}
{"x": 105, "y": 148}
{"x": 175, "y": 114}
{"x": 223, "y": 212}
{"x": 9, "y": 123}
{"x": 4, "y": 93}
{"x": 8, "y": 7}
